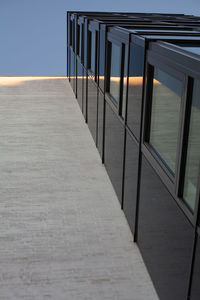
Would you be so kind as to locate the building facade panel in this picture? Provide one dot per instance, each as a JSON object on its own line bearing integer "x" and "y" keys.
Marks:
{"x": 165, "y": 237}
{"x": 136, "y": 78}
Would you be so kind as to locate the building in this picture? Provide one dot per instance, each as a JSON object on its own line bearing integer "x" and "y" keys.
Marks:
{"x": 136, "y": 78}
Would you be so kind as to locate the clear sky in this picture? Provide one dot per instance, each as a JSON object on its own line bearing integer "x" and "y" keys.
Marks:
{"x": 33, "y": 32}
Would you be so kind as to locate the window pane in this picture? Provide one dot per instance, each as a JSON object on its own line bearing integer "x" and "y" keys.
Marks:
{"x": 115, "y": 72}
{"x": 90, "y": 48}
{"x": 125, "y": 82}
{"x": 193, "y": 151}
{"x": 101, "y": 59}
{"x": 136, "y": 65}
{"x": 78, "y": 38}
{"x": 93, "y": 52}
{"x": 166, "y": 101}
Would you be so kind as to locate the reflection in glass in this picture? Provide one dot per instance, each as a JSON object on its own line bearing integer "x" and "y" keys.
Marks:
{"x": 193, "y": 151}
{"x": 90, "y": 48}
{"x": 115, "y": 72}
{"x": 136, "y": 65}
{"x": 166, "y": 101}
{"x": 101, "y": 69}
{"x": 125, "y": 82}
{"x": 78, "y": 39}
{"x": 93, "y": 51}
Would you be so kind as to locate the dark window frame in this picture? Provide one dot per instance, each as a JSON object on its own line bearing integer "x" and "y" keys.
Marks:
{"x": 146, "y": 141}
{"x": 184, "y": 148}
{"x": 117, "y": 105}
{"x": 175, "y": 187}
{"x": 94, "y": 72}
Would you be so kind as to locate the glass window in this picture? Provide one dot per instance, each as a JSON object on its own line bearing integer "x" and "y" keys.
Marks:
{"x": 78, "y": 39}
{"x": 89, "y": 48}
{"x": 93, "y": 52}
{"x": 125, "y": 82}
{"x": 136, "y": 65}
{"x": 115, "y": 72}
{"x": 81, "y": 41}
{"x": 101, "y": 59}
{"x": 73, "y": 35}
{"x": 166, "y": 102}
{"x": 193, "y": 151}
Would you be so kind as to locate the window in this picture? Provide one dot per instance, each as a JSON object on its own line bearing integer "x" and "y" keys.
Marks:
{"x": 125, "y": 81}
{"x": 136, "y": 65}
{"x": 73, "y": 35}
{"x": 89, "y": 49}
{"x": 78, "y": 39}
{"x": 166, "y": 103}
{"x": 115, "y": 72}
{"x": 92, "y": 51}
{"x": 101, "y": 59}
{"x": 193, "y": 151}
{"x": 70, "y": 33}
{"x": 81, "y": 45}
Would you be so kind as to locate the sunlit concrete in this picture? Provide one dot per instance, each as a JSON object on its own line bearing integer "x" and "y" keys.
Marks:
{"x": 63, "y": 235}
{"x": 12, "y": 81}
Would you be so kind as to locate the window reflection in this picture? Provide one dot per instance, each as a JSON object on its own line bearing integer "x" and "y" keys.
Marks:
{"x": 101, "y": 59}
{"x": 136, "y": 64}
{"x": 115, "y": 72}
{"x": 193, "y": 151}
{"x": 125, "y": 82}
{"x": 89, "y": 48}
{"x": 70, "y": 36}
{"x": 93, "y": 51}
{"x": 78, "y": 39}
{"x": 166, "y": 101}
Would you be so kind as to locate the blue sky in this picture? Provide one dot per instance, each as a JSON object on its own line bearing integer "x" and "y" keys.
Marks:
{"x": 33, "y": 32}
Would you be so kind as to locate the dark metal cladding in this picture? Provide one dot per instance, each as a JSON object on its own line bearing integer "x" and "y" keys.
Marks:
{"x": 136, "y": 77}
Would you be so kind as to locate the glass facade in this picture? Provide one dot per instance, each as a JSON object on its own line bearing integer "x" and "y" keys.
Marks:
{"x": 115, "y": 72}
{"x": 193, "y": 151}
{"x": 165, "y": 115}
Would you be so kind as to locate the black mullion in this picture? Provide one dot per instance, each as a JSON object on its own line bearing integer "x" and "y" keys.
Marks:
{"x": 108, "y": 65}
{"x": 181, "y": 142}
{"x": 148, "y": 103}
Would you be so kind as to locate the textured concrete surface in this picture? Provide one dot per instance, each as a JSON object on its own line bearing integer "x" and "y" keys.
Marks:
{"x": 62, "y": 233}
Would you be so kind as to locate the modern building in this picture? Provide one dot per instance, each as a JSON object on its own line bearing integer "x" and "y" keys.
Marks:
{"x": 136, "y": 78}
